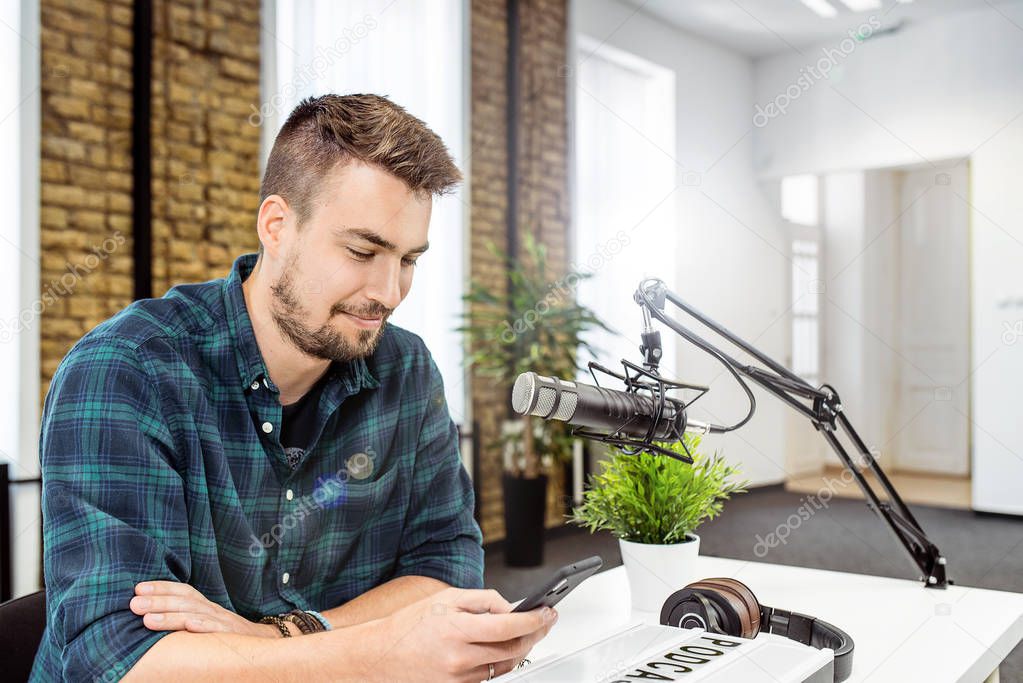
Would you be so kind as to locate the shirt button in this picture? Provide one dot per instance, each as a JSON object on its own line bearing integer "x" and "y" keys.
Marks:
{"x": 267, "y": 427}
{"x": 254, "y": 386}
{"x": 289, "y": 494}
{"x": 284, "y": 577}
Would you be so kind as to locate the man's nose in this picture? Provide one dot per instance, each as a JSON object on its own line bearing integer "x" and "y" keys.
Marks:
{"x": 385, "y": 287}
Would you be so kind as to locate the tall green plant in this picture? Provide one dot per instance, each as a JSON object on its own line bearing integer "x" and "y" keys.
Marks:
{"x": 656, "y": 499}
{"x": 537, "y": 325}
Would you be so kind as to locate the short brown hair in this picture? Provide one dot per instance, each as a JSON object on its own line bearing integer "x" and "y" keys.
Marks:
{"x": 325, "y": 131}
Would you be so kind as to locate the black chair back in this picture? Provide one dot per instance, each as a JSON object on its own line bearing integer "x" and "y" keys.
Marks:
{"x": 22, "y": 621}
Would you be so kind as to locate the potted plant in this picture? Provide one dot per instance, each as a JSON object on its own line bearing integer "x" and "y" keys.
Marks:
{"x": 537, "y": 325}
{"x": 653, "y": 504}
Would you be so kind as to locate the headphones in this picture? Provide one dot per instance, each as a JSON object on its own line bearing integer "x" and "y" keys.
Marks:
{"x": 728, "y": 607}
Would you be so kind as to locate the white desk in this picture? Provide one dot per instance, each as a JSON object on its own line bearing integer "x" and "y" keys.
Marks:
{"x": 902, "y": 631}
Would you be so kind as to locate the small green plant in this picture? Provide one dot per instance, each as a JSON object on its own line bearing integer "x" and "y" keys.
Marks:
{"x": 656, "y": 499}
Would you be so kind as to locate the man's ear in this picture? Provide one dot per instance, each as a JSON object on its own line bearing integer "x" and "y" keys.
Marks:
{"x": 271, "y": 222}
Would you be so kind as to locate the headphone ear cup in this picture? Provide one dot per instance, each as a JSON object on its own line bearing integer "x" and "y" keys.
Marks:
{"x": 738, "y": 605}
{"x": 689, "y": 608}
{"x": 752, "y": 604}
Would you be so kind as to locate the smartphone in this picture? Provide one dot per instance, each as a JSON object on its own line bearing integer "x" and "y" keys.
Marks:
{"x": 561, "y": 584}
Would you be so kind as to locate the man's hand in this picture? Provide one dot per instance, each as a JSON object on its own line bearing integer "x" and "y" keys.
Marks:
{"x": 175, "y": 606}
{"x": 453, "y": 636}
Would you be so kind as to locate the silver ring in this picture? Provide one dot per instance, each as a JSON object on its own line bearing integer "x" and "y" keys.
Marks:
{"x": 491, "y": 676}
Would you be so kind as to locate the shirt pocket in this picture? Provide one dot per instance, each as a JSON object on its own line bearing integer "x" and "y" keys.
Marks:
{"x": 352, "y": 506}
{"x": 354, "y": 539}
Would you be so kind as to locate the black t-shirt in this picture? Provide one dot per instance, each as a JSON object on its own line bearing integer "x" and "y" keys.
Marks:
{"x": 298, "y": 420}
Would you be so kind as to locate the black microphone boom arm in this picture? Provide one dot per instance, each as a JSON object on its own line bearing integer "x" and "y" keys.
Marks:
{"x": 823, "y": 408}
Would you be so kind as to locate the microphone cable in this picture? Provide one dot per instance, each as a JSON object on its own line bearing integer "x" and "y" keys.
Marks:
{"x": 707, "y": 348}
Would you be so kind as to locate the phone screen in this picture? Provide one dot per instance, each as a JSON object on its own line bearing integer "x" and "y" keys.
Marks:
{"x": 561, "y": 584}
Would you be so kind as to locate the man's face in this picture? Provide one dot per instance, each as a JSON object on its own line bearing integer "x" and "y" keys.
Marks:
{"x": 350, "y": 264}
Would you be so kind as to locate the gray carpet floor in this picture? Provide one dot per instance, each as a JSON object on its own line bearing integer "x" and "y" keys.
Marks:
{"x": 982, "y": 551}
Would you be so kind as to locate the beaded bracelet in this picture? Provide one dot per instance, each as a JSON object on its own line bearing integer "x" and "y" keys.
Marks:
{"x": 281, "y": 625}
{"x": 306, "y": 623}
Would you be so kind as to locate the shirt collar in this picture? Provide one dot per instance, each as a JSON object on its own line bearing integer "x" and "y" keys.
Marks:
{"x": 251, "y": 367}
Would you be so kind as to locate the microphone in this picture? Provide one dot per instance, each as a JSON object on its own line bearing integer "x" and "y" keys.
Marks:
{"x": 606, "y": 410}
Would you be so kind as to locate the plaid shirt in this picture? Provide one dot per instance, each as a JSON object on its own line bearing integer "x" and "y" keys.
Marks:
{"x": 161, "y": 460}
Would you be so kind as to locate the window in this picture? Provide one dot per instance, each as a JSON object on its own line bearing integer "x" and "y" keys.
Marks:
{"x": 800, "y": 208}
{"x": 806, "y": 310}
{"x": 799, "y": 200}
{"x": 21, "y": 307}
{"x": 413, "y": 53}
{"x": 626, "y": 180}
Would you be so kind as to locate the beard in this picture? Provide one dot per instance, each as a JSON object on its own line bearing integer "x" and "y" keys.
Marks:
{"x": 325, "y": 341}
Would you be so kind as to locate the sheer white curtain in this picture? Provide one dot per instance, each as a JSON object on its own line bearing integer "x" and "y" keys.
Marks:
{"x": 625, "y": 201}
{"x": 413, "y": 53}
{"x": 10, "y": 256}
{"x": 22, "y": 305}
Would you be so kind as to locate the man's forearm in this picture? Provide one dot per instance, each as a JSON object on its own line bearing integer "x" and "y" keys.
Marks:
{"x": 383, "y": 600}
{"x": 214, "y": 657}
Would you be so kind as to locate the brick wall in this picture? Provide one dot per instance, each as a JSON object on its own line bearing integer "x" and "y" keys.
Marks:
{"x": 488, "y": 216}
{"x": 543, "y": 160}
{"x": 543, "y": 127}
{"x": 85, "y": 194}
{"x": 205, "y": 154}
{"x": 543, "y": 206}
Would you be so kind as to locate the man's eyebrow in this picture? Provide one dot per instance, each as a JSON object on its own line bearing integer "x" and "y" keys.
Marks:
{"x": 376, "y": 239}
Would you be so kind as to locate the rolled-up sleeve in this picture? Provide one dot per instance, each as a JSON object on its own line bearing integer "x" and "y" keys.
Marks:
{"x": 440, "y": 539}
{"x": 113, "y": 505}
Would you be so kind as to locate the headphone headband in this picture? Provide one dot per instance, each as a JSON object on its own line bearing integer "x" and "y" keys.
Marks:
{"x": 811, "y": 631}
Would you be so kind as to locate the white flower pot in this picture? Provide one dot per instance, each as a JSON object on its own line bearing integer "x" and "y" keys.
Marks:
{"x": 657, "y": 571}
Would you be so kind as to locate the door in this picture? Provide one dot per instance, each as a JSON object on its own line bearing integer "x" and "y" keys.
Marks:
{"x": 934, "y": 319}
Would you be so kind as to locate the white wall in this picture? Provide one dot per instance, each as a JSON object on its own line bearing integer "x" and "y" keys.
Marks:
{"x": 935, "y": 90}
{"x": 951, "y": 87}
{"x": 732, "y": 251}
{"x": 997, "y": 353}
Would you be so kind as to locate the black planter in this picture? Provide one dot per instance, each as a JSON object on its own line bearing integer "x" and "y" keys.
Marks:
{"x": 525, "y": 508}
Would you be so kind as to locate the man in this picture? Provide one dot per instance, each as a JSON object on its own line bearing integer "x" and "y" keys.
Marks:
{"x": 268, "y": 444}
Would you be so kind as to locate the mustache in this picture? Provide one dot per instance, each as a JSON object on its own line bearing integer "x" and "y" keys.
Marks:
{"x": 371, "y": 311}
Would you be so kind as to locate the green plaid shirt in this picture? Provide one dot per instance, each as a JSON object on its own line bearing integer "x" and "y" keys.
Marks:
{"x": 161, "y": 460}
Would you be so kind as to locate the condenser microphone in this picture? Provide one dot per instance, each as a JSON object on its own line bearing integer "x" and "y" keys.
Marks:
{"x": 606, "y": 410}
